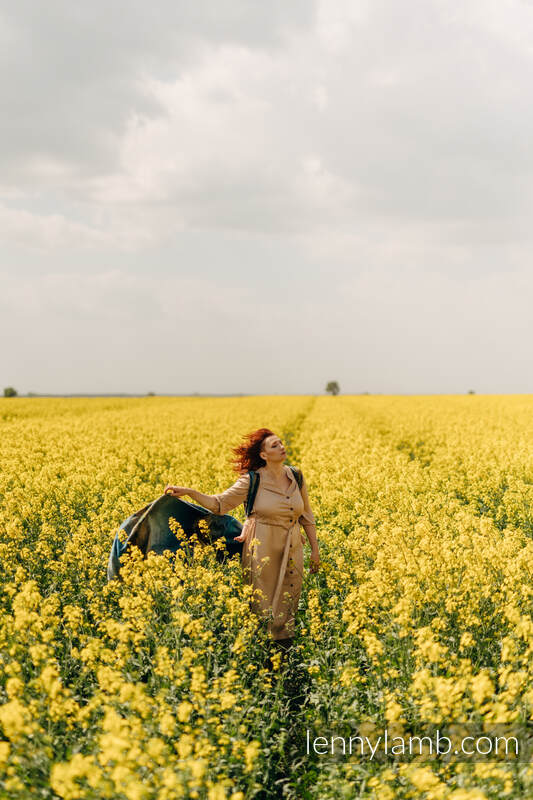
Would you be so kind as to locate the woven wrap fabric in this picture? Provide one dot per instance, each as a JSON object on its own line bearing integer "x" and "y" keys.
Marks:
{"x": 149, "y": 530}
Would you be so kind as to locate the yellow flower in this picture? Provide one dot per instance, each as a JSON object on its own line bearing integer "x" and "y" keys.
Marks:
{"x": 14, "y": 687}
{"x": 481, "y": 687}
{"x": 184, "y": 711}
{"x": 64, "y": 776}
{"x": 425, "y": 780}
{"x": 15, "y": 720}
{"x": 393, "y": 712}
{"x": 467, "y": 640}
{"x": 198, "y": 768}
{"x": 5, "y": 749}
{"x": 167, "y": 724}
{"x": 217, "y": 792}
{"x": 251, "y": 752}
{"x": 227, "y": 700}
{"x": 184, "y": 745}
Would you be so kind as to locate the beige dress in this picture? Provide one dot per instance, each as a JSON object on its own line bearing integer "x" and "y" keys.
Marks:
{"x": 272, "y": 560}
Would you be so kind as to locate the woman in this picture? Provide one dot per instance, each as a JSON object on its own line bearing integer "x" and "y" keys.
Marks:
{"x": 272, "y": 558}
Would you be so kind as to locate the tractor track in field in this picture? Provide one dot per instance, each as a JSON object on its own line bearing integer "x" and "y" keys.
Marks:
{"x": 291, "y": 433}
{"x": 288, "y": 766}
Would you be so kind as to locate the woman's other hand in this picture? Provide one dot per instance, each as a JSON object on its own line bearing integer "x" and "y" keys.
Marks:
{"x": 176, "y": 491}
{"x": 315, "y": 562}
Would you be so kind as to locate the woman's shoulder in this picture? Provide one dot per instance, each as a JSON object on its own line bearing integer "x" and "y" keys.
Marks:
{"x": 298, "y": 474}
{"x": 244, "y": 478}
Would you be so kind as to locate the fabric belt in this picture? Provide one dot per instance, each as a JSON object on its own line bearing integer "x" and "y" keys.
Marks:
{"x": 283, "y": 567}
{"x": 284, "y": 525}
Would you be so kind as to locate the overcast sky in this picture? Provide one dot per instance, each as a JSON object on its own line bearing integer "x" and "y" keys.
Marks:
{"x": 260, "y": 197}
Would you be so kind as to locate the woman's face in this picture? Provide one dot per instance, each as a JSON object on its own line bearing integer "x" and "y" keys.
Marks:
{"x": 273, "y": 450}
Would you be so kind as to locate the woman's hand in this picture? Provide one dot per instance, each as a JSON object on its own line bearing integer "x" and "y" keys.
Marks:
{"x": 176, "y": 491}
{"x": 315, "y": 561}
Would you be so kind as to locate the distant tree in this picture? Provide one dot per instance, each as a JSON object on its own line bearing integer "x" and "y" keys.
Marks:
{"x": 471, "y": 391}
{"x": 10, "y": 392}
{"x": 333, "y": 387}
{"x": 150, "y": 394}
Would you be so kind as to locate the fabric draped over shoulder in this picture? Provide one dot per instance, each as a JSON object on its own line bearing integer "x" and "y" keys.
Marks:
{"x": 234, "y": 495}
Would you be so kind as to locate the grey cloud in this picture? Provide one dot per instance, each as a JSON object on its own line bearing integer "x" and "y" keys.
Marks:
{"x": 432, "y": 124}
{"x": 71, "y": 72}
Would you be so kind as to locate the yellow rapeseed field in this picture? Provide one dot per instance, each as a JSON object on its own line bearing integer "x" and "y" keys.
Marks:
{"x": 154, "y": 687}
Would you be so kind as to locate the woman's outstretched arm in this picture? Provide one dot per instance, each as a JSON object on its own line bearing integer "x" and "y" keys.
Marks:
{"x": 217, "y": 503}
{"x": 206, "y": 500}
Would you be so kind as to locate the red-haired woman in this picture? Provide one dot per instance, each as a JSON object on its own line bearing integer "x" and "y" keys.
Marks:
{"x": 272, "y": 555}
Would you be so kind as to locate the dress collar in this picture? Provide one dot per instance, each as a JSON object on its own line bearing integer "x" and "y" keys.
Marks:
{"x": 267, "y": 480}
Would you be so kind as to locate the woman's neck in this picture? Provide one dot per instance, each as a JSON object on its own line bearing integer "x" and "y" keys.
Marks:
{"x": 275, "y": 470}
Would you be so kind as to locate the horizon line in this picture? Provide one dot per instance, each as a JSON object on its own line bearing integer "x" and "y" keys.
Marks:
{"x": 35, "y": 395}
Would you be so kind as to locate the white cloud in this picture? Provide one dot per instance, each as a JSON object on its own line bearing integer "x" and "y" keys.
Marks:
{"x": 47, "y": 231}
{"x": 337, "y": 21}
{"x": 119, "y": 296}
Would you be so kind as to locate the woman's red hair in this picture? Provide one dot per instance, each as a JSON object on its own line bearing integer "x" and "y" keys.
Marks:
{"x": 247, "y": 454}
